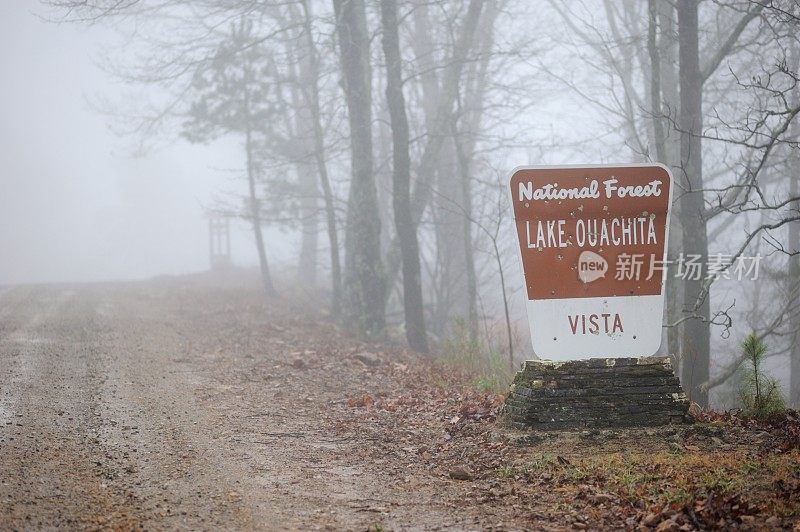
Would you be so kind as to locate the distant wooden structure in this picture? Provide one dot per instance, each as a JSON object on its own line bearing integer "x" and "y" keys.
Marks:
{"x": 219, "y": 240}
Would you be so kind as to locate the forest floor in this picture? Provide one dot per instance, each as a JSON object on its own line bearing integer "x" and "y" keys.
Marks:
{"x": 175, "y": 403}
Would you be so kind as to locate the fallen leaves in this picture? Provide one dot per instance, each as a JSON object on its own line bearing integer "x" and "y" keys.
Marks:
{"x": 713, "y": 511}
{"x": 460, "y": 473}
{"x": 423, "y": 425}
{"x": 779, "y": 433}
{"x": 368, "y": 359}
{"x": 362, "y": 401}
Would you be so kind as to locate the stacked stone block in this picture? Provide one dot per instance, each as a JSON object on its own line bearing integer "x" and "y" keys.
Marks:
{"x": 596, "y": 393}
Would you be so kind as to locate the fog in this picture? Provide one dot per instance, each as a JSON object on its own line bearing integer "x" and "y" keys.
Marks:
{"x": 84, "y": 201}
{"x": 78, "y": 202}
{"x": 399, "y": 264}
{"x": 126, "y": 124}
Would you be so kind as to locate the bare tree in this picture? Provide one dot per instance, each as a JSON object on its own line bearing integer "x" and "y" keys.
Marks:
{"x": 401, "y": 181}
{"x": 696, "y": 334}
{"x": 231, "y": 97}
{"x": 438, "y": 128}
{"x": 363, "y": 276}
{"x": 793, "y": 284}
{"x": 311, "y": 92}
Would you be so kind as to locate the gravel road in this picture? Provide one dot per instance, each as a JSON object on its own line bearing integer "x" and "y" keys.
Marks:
{"x": 192, "y": 403}
{"x": 174, "y": 404}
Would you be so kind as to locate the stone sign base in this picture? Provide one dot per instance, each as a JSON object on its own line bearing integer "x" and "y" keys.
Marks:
{"x": 596, "y": 393}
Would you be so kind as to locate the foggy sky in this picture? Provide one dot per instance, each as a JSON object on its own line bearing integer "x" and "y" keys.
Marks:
{"x": 75, "y": 204}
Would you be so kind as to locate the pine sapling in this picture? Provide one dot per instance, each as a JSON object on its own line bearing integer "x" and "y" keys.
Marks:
{"x": 760, "y": 394}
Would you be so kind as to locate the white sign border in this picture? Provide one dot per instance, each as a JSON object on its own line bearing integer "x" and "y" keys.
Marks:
{"x": 533, "y": 311}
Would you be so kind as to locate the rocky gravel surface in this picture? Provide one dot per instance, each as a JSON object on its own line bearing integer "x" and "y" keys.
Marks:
{"x": 185, "y": 403}
{"x": 177, "y": 404}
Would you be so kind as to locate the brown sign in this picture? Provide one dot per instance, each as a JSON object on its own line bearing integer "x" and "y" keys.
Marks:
{"x": 592, "y": 232}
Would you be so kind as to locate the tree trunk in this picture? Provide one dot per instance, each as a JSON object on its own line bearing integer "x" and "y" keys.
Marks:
{"x": 794, "y": 245}
{"x": 659, "y": 132}
{"x": 466, "y": 228}
{"x": 302, "y": 149}
{"x": 465, "y": 151}
{"x": 401, "y": 181}
{"x": 312, "y": 86}
{"x": 439, "y": 128}
{"x": 663, "y": 102}
{"x": 363, "y": 279}
{"x": 446, "y": 216}
{"x": 255, "y": 218}
{"x": 667, "y": 51}
{"x": 696, "y": 337}
{"x": 309, "y": 222}
{"x": 659, "y": 126}
{"x": 425, "y": 61}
